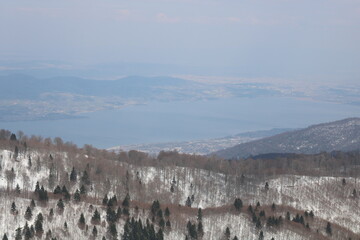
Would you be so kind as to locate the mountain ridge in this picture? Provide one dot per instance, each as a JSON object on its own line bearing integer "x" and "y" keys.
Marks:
{"x": 341, "y": 135}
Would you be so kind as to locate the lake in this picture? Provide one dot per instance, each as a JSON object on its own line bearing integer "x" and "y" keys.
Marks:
{"x": 183, "y": 121}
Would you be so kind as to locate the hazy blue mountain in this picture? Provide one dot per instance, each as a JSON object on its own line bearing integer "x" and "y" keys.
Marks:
{"x": 341, "y": 135}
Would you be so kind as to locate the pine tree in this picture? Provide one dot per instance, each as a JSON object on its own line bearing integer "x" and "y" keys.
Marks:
{"x": 13, "y": 208}
{"x": 167, "y": 212}
{"x": 77, "y": 196}
{"x": 28, "y": 213}
{"x": 29, "y": 162}
{"x": 110, "y": 215}
{"x": 155, "y": 207}
{"x": 261, "y": 235}
{"x": 37, "y": 187}
{"x": 82, "y": 189}
{"x": 200, "y": 229}
{"x": 5, "y": 237}
{"x": 328, "y": 229}
{"x": 227, "y": 233}
{"x": 105, "y": 200}
{"x": 235, "y": 238}
{"x": 18, "y": 235}
{"x": 126, "y": 202}
{"x": 94, "y": 231}
{"x": 82, "y": 220}
{"x": 57, "y": 190}
{"x": 60, "y": 205}
{"x": 65, "y": 226}
{"x": 39, "y": 225}
{"x": 273, "y": 207}
{"x": 238, "y": 204}
{"x": 188, "y": 202}
{"x": 160, "y": 235}
{"x": 112, "y": 231}
{"x": 168, "y": 224}
{"x": 96, "y": 217}
{"x": 73, "y": 175}
{"x": 85, "y": 178}
{"x": 32, "y": 204}
{"x": 51, "y": 213}
{"x": 17, "y": 189}
{"x": 199, "y": 216}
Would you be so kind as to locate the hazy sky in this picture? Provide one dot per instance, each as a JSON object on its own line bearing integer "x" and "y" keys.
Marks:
{"x": 295, "y": 37}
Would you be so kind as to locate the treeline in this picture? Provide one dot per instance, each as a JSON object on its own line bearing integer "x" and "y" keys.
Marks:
{"x": 336, "y": 163}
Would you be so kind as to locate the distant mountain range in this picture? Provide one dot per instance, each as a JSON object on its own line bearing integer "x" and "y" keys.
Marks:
{"x": 343, "y": 135}
{"x": 201, "y": 147}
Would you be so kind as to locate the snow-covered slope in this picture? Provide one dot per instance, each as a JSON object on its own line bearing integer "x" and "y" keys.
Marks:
{"x": 328, "y": 197}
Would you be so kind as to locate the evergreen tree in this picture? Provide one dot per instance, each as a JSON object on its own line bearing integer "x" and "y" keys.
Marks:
{"x": 261, "y": 235}
{"x": 29, "y": 162}
{"x": 287, "y": 216}
{"x": 77, "y": 196}
{"x": 37, "y": 187}
{"x": 105, "y": 200}
{"x": 167, "y": 212}
{"x": 32, "y": 204}
{"x": 168, "y": 224}
{"x": 39, "y": 225}
{"x": 94, "y": 231}
{"x": 60, "y": 204}
{"x": 126, "y": 202}
{"x": 238, "y": 204}
{"x": 85, "y": 179}
{"x": 160, "y": 235}
{"x": 118, "y": 213}
{"x": 328, "y": 229}
{"x": 112, "y": 231}
{"x": 200, "y": 229}
{"x": 13, "y": 208}
{"x": 17, "y": 189}
{"x": 188, "y": 202}
{"x": 96, "y": 217}
{"x": 5, "y": 237}
{"x": 311, "y": 214}
{"x": 155, "y": 207}
{"x": 235, "y": 238}
{"x": 51, "y": 213}
{"x": 82, "y": 220}
{"x": 273, "y": 207}
{"x": 266, "y": 186}
{"x": 18, "y": 235}
{"x": 199, "y": 216}
{"x": 65, "y": 226}
{"x": 28, "y": 213}
{"x": 57, "y": 190}
{"x": 227, "y": 233}
{"x": 110, "y": 215}
{"x": 73, "y": 175}
{"x": 82, "y": 189}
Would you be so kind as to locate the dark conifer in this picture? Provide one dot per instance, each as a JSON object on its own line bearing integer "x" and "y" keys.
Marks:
{"x": 77, "y": 196}
{"x": 238, "y": 204}
{"x": 73, "y": 175}
{"x": 28, "y": 213}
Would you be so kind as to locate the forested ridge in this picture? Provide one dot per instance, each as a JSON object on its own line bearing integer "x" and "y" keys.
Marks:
{"x": 52, "y": 189}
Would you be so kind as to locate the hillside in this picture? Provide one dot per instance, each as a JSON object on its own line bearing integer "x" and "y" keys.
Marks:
{"x": 343, "y": 135}
{"x": 289, "y": 200}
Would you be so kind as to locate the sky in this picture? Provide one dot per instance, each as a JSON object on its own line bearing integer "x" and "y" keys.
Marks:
{"x": 295, "y": 38}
